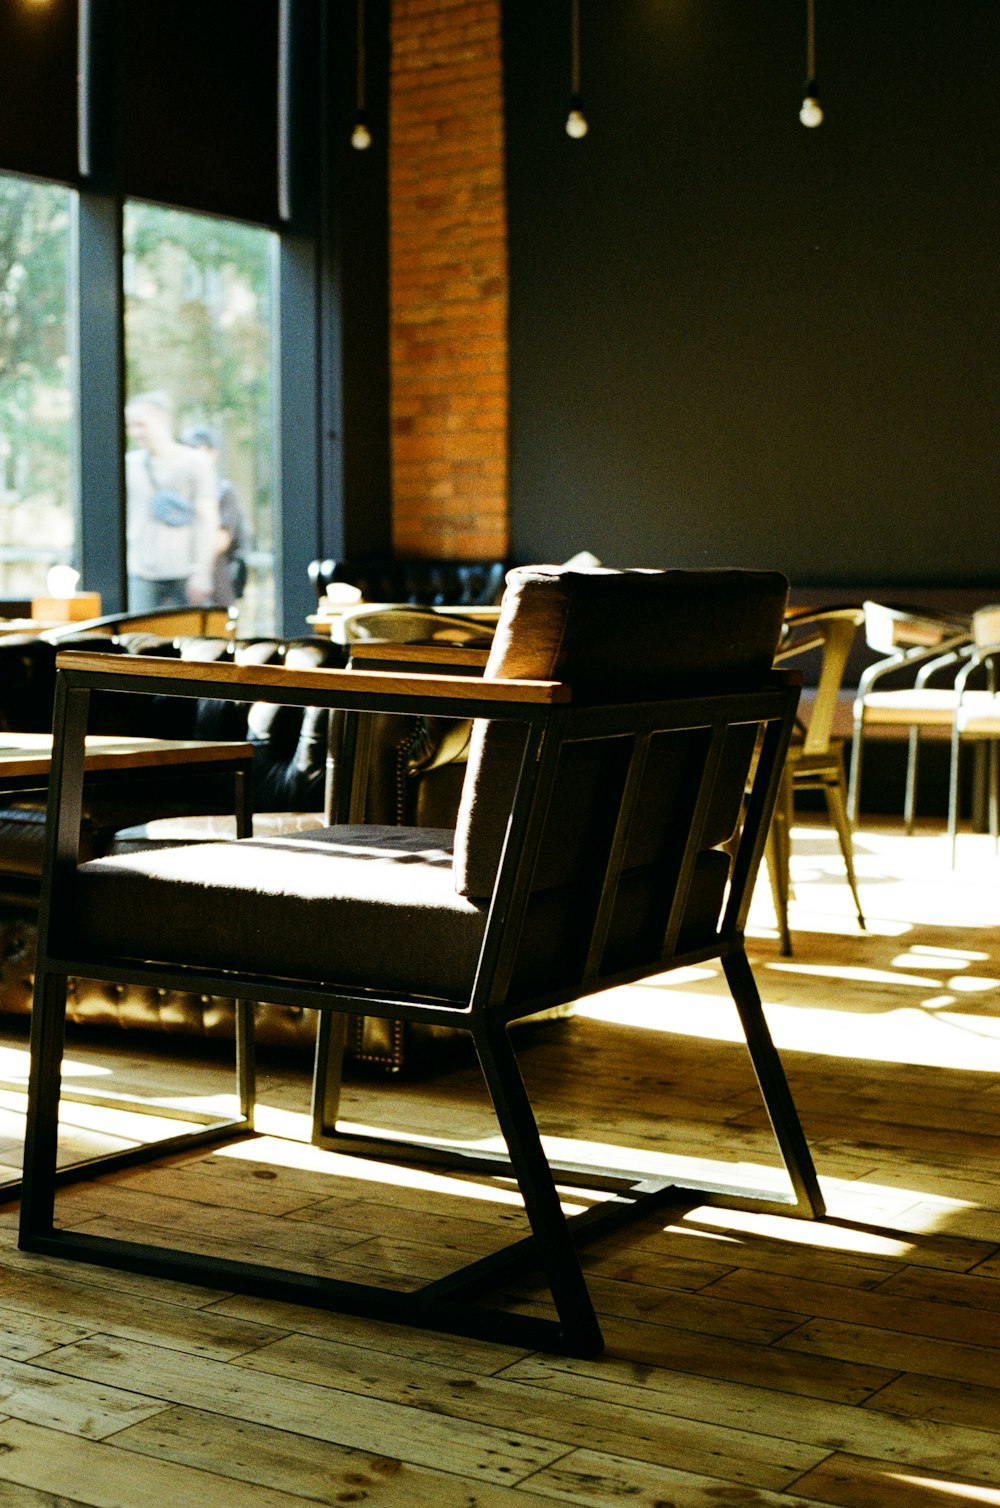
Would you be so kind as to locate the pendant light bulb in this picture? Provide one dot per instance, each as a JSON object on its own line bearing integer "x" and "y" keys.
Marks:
{"x": 361, "y": 137}
{"x": 811, "y": 113}
{"x": 577, "y": 124}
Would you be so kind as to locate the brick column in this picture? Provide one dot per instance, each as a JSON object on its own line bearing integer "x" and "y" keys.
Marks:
{"x": 448, "y": 279}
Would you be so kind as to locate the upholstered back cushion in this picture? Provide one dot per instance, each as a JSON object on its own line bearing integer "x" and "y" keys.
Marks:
{"x": 614, "y": 636}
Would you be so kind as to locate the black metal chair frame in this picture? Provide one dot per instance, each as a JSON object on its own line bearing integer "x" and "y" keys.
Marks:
{"x": 817, "y": 762}
{"x": 910, "y": 652}
{"x": 240, "y": 767}
{"x": 551, "y": 721}
{"x": 988, "y": 656}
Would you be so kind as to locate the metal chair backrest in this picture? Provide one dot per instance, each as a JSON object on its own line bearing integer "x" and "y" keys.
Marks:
{"x": 893, "y": 629}
{"x": 986, "y": 627}
{"x": 208, "y": 620}
{"x": 410, "y": 625}
{"x": 831, "y": 630}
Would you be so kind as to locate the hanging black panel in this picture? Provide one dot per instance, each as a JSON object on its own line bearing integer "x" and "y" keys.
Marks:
{"x": 199, "y": 105}
{"x": 38, "y": 63}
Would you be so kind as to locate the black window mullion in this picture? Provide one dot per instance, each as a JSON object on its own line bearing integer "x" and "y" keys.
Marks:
{"x": 98, "y": 372}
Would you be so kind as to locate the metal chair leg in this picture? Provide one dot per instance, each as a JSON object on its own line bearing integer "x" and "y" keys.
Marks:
{"x": 41, "y": 1174}
{"x": 910, "y": 798}
{"x": 41, "y": 1142}
{"x": 956, "y": 745}
{"x": 246, "y": 1059}
{"x": 557, "y": 1254}
{"x": 774, "y": 1085}
{"x": 833, "y": 791}
{"x": 328, "y": 1069}
{"x": 777, "y": 856}
{"x": 854, "y": 781}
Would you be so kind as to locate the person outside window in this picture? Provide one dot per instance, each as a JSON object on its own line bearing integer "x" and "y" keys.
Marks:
{"x": 173, "y": 511}
{"x": 230, "y": 571}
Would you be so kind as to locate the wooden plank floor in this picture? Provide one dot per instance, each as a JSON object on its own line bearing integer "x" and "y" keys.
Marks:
{"x": 750, "y": 1360}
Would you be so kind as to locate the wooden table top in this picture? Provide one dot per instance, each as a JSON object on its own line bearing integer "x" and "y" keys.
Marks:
{"x": 29, "y": 755}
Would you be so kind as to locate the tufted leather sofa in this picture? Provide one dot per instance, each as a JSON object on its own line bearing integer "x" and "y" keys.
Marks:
{"x": 424, "y": 583}
{"x": 289, "y": 771}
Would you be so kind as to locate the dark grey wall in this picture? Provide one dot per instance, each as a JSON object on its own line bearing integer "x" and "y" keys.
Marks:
{"x": 736, "y": 340}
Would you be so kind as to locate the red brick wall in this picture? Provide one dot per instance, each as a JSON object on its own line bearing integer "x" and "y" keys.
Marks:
{"x": 448, "y": 279}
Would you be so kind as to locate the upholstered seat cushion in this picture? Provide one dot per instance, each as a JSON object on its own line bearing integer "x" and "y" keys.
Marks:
{"x": 271, "y": 902}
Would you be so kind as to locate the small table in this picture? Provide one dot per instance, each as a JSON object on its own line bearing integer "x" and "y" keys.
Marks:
{"x": 26, "y": 758}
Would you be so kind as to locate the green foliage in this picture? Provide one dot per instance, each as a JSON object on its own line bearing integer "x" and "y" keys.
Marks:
{"x": 34, "y": 220}
{"x": 197, "y": 324}
{"x": 34, "y": 367}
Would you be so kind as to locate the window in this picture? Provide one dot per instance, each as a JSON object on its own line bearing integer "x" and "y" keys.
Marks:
{"x": 198, "y": 330}
{"x": 36, "y": 510}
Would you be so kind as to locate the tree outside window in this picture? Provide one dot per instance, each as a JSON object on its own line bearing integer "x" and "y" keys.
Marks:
{"x": 36, "y": 511}
{"x": 197, "y": 325}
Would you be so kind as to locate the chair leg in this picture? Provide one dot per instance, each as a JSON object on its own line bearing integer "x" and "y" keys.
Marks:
{"x": 910, "y": 798}
{"x": 854, "y": 782}
{"x": 833, "y": 791}
{"x": 41, "y": 1174}
{"x": 557, "y": 1253}
{"x": 774, "y": 1086}
{"x": 41, "y": 1141}
{"x": 328, "y": 1070}
{"x": 246, "y": 1059}
{"x": 956, "y": 745}
{"x": 777, "y": 856}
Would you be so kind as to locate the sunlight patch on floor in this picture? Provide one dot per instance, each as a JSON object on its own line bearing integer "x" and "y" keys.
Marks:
{"x": 928, "y": 892}
{"x": 960, "y": 1491}
{"x": 824, "y": 1235}
{"x": 924, "y": 1033}
{"x": 276, "y": 1152}
{"x": 928, "y": 1004}
{"x": 14, "y": 1067}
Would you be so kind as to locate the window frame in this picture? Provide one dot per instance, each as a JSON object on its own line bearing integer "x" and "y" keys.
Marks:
{"x": 329, "y": 338}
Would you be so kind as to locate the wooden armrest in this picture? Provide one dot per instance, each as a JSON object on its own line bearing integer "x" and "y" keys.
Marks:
{"x": 331, "y": 687}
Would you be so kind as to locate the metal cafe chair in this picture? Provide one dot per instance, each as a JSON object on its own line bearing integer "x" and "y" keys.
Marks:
{"x": 921, "y": 645}
{"x": 977, "y": 717}
{"x": 815, "y": 758}
{"x": 604, "y": 836}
